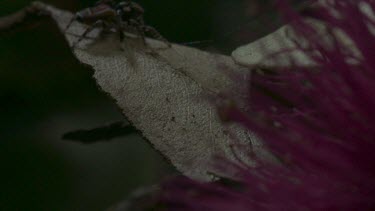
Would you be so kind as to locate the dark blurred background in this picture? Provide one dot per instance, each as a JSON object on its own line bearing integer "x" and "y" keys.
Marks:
{"x": 45, "y": 92}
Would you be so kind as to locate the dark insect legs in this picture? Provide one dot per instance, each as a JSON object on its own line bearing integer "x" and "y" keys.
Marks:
{"x": 119, "y": 17}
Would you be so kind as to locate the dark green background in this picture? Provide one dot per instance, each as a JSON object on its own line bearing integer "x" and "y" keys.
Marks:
{"x": 45, "y": 92}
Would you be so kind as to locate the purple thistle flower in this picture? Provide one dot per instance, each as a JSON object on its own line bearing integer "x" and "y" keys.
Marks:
{"x": 320, "y": 123}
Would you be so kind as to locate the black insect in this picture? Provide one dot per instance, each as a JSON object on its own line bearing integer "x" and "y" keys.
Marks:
{"x": 119, "y": 17}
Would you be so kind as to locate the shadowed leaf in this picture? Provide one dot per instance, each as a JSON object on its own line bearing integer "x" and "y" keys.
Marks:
{"x": 104, "y": 133}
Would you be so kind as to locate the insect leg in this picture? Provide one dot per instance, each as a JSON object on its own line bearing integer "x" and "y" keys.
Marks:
{"x": 88, "y": 30}
{"x": 70, "y": 23}
{"x": 199, "y": 42}
{"x": 138, "y": 26}
{"x": 153, "y": 33}
{"x": 120, "y": 28}
{"x": 121, "y": 34}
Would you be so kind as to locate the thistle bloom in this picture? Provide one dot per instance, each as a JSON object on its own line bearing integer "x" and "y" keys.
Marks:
{"x": 320, "y": 123}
